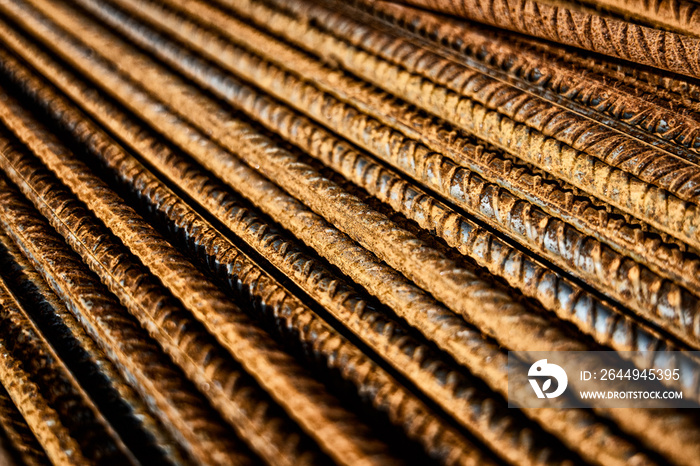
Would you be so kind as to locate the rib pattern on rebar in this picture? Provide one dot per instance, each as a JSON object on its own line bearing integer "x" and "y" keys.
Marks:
{"x": 309, "y": 232}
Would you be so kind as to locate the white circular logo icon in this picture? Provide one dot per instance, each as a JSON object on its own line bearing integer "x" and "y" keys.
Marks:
{"x": 542, "y": 369}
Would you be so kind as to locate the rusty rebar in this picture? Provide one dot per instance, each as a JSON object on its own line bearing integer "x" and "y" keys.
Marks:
{"x": 589, "y": 31}
{"x": 458, "y": 287}
{"x": 142, "y": 363}
{"x": 500, "y": 113}
{"x": 675, "y": 93}
{"x": 657, "y": 297}
{"x": 619, "y": 106}
{"x": 411, "y": 357}
{"x": 43, "y": 420}
{"x": 228, "y": 387}
{"x": 244, "y": 276}
{"x": 340, "y": 434}
{"x": 17, "y": 436}
{"x": 556, "y": 293}
{"x": 251, "y": 242}
{"x": 682, "y": 16}
{"x": 561, "y": 203}
{"x": 579, "y": 430}
{"x": 678, "y": 91}
{"x": 97, "y": 440}
{"x": 358, "y": 47}
{"x": 117, "y": 401}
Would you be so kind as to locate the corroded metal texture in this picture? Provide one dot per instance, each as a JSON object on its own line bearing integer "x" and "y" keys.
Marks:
{"x": 22, "y": 340}
{"x": 297, "y": 232}
{"x": 181, "y": 409}
{"x": 120, "y": 404}
{"x": 560, "y": 21}
{"x": 286, "y": 310}
{"x": 490, "y": 308}
{"x": 411, "y": 357}
{"x": 569, "y": 301}
{"x": 490, "y": 202}
{"x": 678, "y": 15}
{"x": 18, "y": 439}
{"x": 42, "y": 419}
{"x": 200, "y": 297}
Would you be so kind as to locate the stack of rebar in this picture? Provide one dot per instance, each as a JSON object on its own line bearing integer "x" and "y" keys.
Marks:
{"x": 310, "y": 231}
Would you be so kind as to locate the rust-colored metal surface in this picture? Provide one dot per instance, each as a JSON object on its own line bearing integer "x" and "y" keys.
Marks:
{"x": 309, "y": 232}
{"x": 569, "y": 23}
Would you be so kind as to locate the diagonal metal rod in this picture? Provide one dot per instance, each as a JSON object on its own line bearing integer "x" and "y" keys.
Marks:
{"x": 141, "y": 362}
{"x": 596, "y": 222}
{"x": 457, "y": 286}
{"x": 245, "y": 276}
{"x": 43, "y": 420}
{"x": 672, "y": 125}
{"x": 670, "y": 51}
{"x": 682, "y": 16}
{"x": 330, "y": 290}
{"x": 617, "y": 173}
{"x": 556, "y": 293}
{"x": 336, "y": 430}
{"x": 118, "y": 402}
{"x": 18, "y": 435}
{"x": 574, "y": 147}
{"x": 354, "y": 33}
{"x": 238, "y": 33}
{"x": 578, "y": 428}
{"x": 658, "y": 84}
{"x": 623, "y": 278}
{"x": 389, "y": 284}
{"x": 97, "y": 440}
{"x": 237, "y": 216}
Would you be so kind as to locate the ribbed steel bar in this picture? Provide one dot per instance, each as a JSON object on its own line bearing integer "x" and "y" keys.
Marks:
{"x": 557, "y": 294}
{"x": 669, "y": 91}
{"x": 289, "y": 313}
{"x": 458, "y": 287}
{"x": 43, "y": 420}
{"x": 231, "y": 391}
{"x": 654, "y": 120}
{"x": 298, "y": 323}
{"x": 442, "y": 68}
{"x": 451, "y": 283}
{"x": 578, "y": 429}
{"x": 122, "y": 407}
{"x": 18, "y": 436}
{"x": 679, "y": 91}
{"x": 566, "y": 246}
{"x": 337, "y": 431}
{"x": 556, "y": 202}
{"x": 284, "y": 255}
{"x": 609, "y": 36}
{"x": 682, "y": 16}
{"x": 141, "y": 362}
{"x": 98, "y": 441}
{"x": 408, "y": 355}
{"x": 421, "y": 70}
{"x": 228, "y": 388}
{"x": 306, "y": 232}
{"x": 571, "y": 146}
